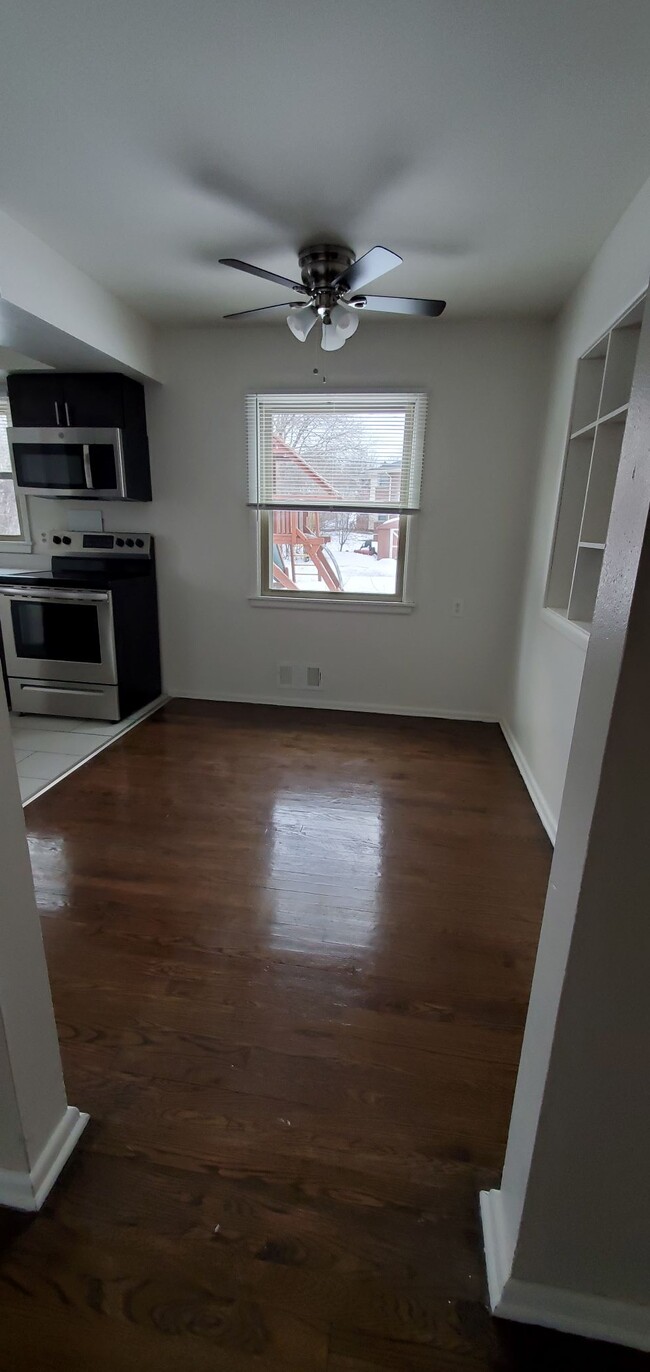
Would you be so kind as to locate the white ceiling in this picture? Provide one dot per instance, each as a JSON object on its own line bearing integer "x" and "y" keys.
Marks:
{"x": 493, "y": 143}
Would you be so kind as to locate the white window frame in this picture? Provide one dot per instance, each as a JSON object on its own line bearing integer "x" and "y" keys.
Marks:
{"x": 21, "y": 542}
{"x": 265, "y": 594}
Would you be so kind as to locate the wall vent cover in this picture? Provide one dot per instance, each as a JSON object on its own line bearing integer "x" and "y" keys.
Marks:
{"x": 299, "y": 676}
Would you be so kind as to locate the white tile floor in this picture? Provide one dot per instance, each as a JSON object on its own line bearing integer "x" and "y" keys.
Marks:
{"x": 46, "y": 747}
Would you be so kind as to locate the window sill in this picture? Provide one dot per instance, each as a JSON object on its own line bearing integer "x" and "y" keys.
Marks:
{"x": 16, "y": 545}
{"x": 337, "y": 603}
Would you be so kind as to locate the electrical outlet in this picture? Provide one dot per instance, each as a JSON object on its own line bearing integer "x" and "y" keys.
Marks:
{"x": 457, "y": 607}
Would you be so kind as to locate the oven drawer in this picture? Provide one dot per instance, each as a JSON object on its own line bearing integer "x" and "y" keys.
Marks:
{"x": 31, "y": 697}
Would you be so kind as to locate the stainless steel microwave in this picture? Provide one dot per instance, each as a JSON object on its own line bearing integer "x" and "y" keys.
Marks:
{"x": 86, "y": 463}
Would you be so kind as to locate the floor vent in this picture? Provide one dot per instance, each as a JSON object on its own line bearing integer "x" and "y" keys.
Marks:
{"x": 298, "y": 676}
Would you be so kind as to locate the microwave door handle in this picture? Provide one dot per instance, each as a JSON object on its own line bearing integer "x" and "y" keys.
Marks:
{"x": 87, "y": 467}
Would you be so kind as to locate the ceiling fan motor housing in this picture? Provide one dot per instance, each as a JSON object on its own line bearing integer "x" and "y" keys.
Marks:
{"x": 320, "y": 264}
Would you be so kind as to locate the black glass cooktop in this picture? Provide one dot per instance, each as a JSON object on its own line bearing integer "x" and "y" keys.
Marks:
{"x": 92, "y": 572}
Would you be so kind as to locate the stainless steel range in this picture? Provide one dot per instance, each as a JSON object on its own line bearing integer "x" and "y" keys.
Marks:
{"x": 82, "y": 638}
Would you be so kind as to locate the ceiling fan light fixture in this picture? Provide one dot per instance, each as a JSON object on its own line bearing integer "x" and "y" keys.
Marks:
{"x": 301, "y": 321}
{"x": 330, "y": 272}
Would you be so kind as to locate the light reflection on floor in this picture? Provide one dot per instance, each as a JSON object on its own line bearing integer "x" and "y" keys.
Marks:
{"x": 308, "y": 825}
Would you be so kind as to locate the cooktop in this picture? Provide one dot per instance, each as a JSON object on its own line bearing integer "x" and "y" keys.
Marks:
{"x": 85, "y": 559}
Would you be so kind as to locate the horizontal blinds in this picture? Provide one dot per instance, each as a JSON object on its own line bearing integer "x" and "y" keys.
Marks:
{"x": 5, "y": 421}
{"x": 345, "y": 452}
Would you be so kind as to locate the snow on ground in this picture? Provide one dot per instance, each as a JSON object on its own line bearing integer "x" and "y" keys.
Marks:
{"x": 360, "y": 575}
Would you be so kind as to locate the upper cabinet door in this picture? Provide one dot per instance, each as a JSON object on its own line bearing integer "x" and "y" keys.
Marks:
{"x": 36, "y": 400}
{"x": 93, "y": 400}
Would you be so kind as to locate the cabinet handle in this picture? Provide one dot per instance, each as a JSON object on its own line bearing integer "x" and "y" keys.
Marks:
{"x": 56, "y": 411}
{"x": 67, "y": 414}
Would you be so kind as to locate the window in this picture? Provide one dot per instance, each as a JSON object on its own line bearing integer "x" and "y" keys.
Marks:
{"x": 335, "y": 481}
{"x": 11, "y": 522}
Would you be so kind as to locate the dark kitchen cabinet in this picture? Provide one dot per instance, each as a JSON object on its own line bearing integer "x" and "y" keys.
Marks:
{"x": 87, "y": 400}
{"x": 38, "y": 405}
{"x": 96, "y": 400}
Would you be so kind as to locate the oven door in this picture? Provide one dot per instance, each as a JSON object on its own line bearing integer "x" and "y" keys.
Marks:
{"x": 86, "y": 463}
{"x": 58, "y": 635}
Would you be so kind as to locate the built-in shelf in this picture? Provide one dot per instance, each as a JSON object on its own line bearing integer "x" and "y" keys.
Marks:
{"x": 588, "y": 388}
{"x": 588, "y": 429}
{"x": 618, "y": 416}
{"x": 596, "y": 428}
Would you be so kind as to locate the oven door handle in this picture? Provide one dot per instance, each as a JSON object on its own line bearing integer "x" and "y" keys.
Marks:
{"x": 59, "y": 597}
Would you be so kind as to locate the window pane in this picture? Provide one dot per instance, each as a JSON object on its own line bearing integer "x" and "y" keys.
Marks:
{"x": 334, "y": 552}
{"x": 9, "y": 520}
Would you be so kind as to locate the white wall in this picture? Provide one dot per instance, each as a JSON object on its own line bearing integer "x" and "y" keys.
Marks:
{"x": 45, "y": 299}
{"x": 567, "y": 1233}
{"x": 548, "y": 664}
{"x": 486, "y": 384}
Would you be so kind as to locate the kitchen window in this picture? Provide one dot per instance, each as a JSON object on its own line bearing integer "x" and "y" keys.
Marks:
{"x": 13, "y": 521}
{"x": 335, "y": 483}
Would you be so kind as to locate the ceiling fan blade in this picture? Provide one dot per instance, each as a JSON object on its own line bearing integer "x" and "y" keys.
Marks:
{"x": 262, "y": 309}
{"x": 398, "y": 304}
{"x": 367, "y": 268}
{"x": 259, "y": 271}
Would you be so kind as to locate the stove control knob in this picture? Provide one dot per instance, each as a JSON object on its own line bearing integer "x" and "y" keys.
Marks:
{"x": 119, "y": 542}
{"x": 66, "y": 540}
{"x": 56, "y": 538}
{"x": 139, "y": 543}
{"x": 129, "y": 542}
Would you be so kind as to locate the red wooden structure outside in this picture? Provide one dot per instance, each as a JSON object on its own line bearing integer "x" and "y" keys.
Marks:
{"x": 300, "y": 528}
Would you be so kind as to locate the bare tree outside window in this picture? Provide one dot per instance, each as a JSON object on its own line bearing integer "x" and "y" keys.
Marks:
{"x": 335, "y": 439}
{"x": 342, "y": 523}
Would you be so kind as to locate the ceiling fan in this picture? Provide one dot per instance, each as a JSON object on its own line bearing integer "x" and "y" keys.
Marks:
{"x": 332, "y": 278}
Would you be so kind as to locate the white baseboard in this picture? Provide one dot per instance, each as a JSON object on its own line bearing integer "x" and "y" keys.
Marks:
{"x": 572, "y": 1312}
{"x": 316, "y": 702}
{"x": 539, "y": 801}
{"x": 498, "y": 1251}
{"x": 28, "y": 1190}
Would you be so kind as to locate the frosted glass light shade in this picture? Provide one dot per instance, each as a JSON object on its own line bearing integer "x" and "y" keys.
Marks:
{"x": 345, "y": 319}
{"x": 332, "y": 338}
{"x": 301, "y": 321}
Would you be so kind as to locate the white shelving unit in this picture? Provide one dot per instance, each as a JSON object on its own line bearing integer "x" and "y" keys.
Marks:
{"x": 598, "y": 416}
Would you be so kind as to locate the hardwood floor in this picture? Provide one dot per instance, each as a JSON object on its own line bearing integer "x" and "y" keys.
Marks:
{"x": 290, "y": 954}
